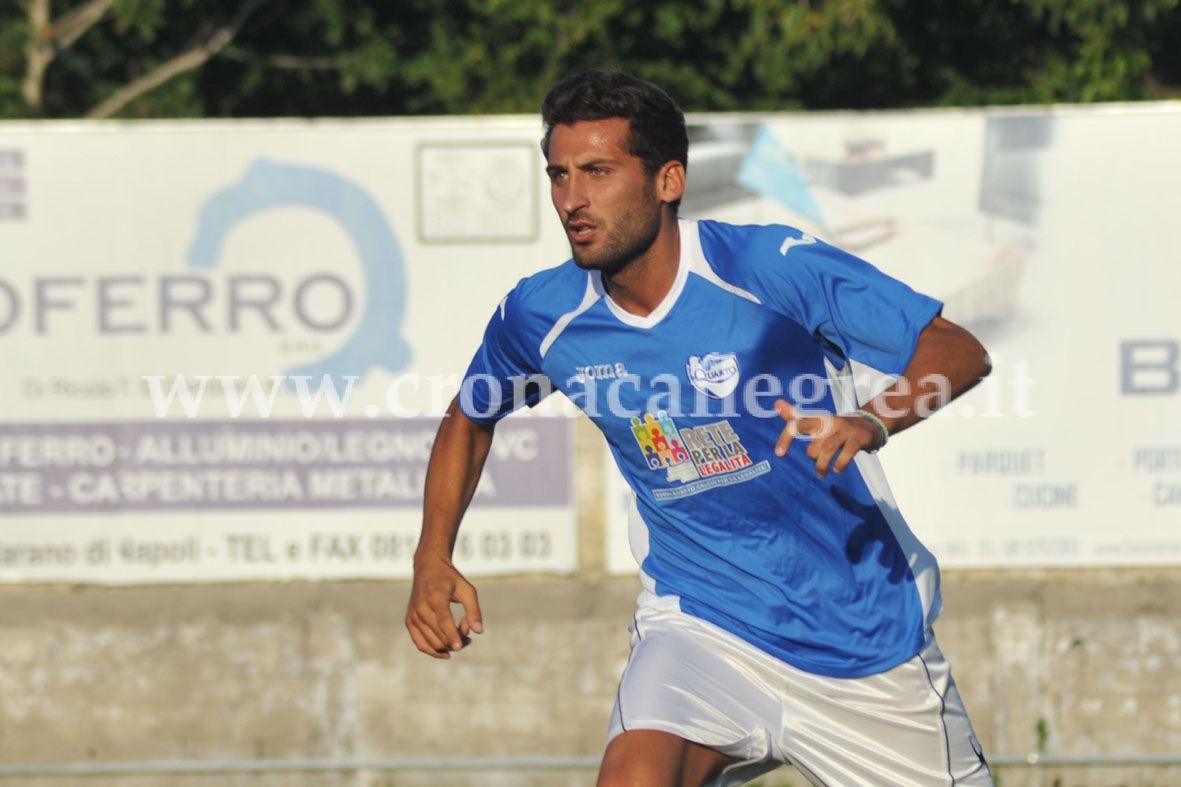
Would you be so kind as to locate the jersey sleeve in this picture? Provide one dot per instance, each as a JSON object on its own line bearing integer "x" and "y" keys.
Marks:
{"x": 506, "y": 370}
{"x": 847, "y": 303}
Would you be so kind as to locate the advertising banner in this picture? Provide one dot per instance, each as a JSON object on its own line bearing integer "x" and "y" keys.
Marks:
{"x": 228, "y": 347}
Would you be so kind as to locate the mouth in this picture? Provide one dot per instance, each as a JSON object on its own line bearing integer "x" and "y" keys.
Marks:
{"x": 580, "y": 231}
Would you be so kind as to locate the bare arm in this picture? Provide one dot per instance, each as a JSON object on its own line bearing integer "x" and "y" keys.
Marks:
{"x": 947, "y": 361}
{"x": 457, "y": 459}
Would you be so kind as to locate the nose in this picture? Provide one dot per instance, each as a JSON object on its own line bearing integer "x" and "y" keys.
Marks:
{"x": 570, "y": 195}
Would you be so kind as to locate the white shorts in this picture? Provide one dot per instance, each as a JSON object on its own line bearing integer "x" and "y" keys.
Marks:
{"x": 905, "y": 727}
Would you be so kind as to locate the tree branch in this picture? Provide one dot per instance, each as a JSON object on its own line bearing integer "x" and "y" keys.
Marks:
{"x": 188, "y": 60}
{"x": 70, "y": 27}
{"x": 289, "y": 62}
{"x": 39, "y": 54}
{"x": 47, "y": 38}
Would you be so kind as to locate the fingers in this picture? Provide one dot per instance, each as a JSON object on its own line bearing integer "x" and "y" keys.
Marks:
{"x": 424, "y": 629}
{"x": 429, "y": 619}
{"x": 833, "y": 441}
{"x": 848, "y": 451}
{"x": 809, "y": 423}
{"x": 428, "y": 630}
{"x": 445, "y": 625}
{"x": 787, "y": 413}
{"x": 823, "y": 451}
{"x": 425, "y": 641}
{"x": 465, "y": 594}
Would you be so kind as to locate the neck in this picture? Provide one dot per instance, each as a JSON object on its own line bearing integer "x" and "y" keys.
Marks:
{"x": 642, "y": 285}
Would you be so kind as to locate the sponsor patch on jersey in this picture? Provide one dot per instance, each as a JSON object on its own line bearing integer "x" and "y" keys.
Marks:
{"x": 698, "y": 454}
{"x": 715, "y": 449}
{"x": 663, "y": 446}
{"x": 715, "y": 374}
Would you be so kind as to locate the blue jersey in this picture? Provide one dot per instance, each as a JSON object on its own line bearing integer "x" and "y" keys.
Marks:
{"x": 820, "y": 572}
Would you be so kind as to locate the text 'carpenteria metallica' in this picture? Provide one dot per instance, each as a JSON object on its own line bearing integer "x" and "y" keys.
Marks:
{"x": 241, "y": 465}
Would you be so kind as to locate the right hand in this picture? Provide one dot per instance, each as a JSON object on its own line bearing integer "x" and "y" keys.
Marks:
{"x": 436, "y": 585}
{"x": 839, "y": 437}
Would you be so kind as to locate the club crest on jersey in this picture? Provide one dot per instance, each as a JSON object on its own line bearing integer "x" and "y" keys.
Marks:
{"x": 715, "y": 374}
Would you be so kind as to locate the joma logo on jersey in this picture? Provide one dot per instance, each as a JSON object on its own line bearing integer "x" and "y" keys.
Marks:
{"x": 601, "y": 371}
{"x": 715, "y": 375}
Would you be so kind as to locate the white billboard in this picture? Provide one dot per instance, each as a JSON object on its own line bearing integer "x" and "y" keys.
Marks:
{"x": 228, "y": 344}
{"x": 228, "y": 347}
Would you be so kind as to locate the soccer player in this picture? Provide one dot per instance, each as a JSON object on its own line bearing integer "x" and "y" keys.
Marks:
{"x": 785, "y": 612}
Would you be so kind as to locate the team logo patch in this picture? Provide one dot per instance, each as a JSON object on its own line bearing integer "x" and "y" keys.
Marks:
{"x": 715, "y": 375}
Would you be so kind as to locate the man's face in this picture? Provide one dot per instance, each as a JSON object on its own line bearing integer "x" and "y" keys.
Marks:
{"x": 606, "y": 201}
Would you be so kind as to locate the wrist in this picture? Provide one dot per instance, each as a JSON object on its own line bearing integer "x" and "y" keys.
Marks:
{"x": 879, "y": 426}
{"x": 426, "y": 555}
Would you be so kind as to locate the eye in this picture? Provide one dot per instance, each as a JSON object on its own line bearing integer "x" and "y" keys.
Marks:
{"x": 598, "y": 171}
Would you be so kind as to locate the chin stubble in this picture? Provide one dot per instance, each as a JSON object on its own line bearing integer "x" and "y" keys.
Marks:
{"x": 615, "y": 261}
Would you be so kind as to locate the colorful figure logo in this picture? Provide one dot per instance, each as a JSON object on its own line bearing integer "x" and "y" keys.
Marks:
{"x": 663, "y": 447}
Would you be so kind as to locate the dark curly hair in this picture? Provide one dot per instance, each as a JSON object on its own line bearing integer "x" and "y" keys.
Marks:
{"x": 658, "y": 133}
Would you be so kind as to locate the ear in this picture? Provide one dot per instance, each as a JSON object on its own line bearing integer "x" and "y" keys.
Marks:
{"x": 670, "y": 182}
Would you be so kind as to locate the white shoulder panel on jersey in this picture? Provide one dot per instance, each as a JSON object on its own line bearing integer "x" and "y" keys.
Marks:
{"x": 691, "y": 237}
{"x": 589, "y": 297}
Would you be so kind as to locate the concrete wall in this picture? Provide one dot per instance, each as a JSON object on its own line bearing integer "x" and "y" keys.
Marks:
{"x": 304, "y": 670}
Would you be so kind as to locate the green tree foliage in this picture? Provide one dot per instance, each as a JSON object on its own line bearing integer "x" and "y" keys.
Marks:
{"x": 1022, "y": 51}
{"x": 235, "y": 58}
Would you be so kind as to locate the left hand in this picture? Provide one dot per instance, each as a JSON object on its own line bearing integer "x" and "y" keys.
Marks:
{"x": 829, "y": 436}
